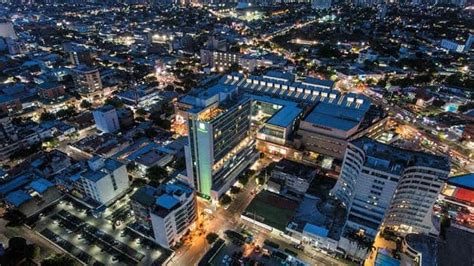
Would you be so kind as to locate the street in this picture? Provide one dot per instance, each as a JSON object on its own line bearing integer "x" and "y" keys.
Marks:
{"x": 229, "y": 219}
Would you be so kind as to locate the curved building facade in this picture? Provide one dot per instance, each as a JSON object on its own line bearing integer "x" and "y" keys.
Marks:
{"x": 380, "y": 184}
{"x": 410, "y": 210}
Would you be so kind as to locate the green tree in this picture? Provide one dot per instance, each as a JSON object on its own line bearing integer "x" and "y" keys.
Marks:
{"x": 243, "y": 179}
{"x": 225, "y": 200}
{"x": 156, "y": 174}
{"x": 211, "y": 237}
{"x": 151, "y": 132}
{"x": 169, "y": 88}
{"x": 466, "y": 107}
{"x": 85, "y": 104}
{"x": 132, "y": 167}
{"x": 140, "y": 112}
{"x": 445, "y": 223}
{"x": 234, "y": 190}
{"x": 66, "y": 113}
{"x": 51, "y": 143}
{"x": 33, "y": 252}
{"x": 162, "y": 123}
{"x": 47, "y": 116}
{"x": 114, "y": 101}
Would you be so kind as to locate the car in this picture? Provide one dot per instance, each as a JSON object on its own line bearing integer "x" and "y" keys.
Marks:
{"x": 257, "y": 249}
{"x": 298, "y": 246}
{"x": 227, "y": 260}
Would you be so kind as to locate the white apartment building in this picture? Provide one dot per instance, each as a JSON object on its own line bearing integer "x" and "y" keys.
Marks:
{"x": 104, "y": 181}
{"x": 166, "y": 212}
{"x": 106, "y": 119}
{"x": 380, "y": 184}
{"x": 87, "y": 80}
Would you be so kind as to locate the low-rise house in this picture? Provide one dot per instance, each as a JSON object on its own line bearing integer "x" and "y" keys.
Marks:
{"x": 293, "y": 176}
{"x": 51, "y": 90}
{"x": 34, "y": 197}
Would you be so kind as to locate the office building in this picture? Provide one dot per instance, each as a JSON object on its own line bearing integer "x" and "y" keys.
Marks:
{"x": 219, "y": 59}
{"x": 275, "y": 117}
{"x": 51, "y": 90}
{"x": 216, "y": 44}
{"x": 468, "y": 43}
{"x": 291, "y": 176}
{"x": 280, "y": 99}
{"x": 87, "y": 80}
{"x": 215, "y": 54}
{"x": 220, "y": 146}
{"x": 106, "y": 119}
{"x": 452, "y": 46}
{"x": 8, "y": 138}
{"x": 225, "y": 120}
{"x": 380, "y": 184}
{"x": 165, "y": 213}
{"x": 103, "y": 181}
{"x": 332, "y": 123}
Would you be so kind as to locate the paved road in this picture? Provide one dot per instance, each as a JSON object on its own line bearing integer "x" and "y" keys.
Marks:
{"x": 220, "y": 221}
{"x": 223, "y": 219}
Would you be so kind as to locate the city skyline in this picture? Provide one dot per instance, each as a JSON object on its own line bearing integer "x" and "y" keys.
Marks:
{"x": 162, "y": 132}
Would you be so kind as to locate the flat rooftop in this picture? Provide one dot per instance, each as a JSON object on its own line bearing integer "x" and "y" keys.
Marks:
{"x": 392, "y": 159}
{"x": 464, "y": 181}
{"x": 109, "y": 166}
{"x": 104, "y": 108}
{"x": 283, "y": 117}
{"x": 295, "y": 168}
{"x": 336, "y": 116}
{"x": 168, "y": 196}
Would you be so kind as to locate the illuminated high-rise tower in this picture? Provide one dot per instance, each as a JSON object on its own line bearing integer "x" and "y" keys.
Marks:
{"x": 220, "y": 146}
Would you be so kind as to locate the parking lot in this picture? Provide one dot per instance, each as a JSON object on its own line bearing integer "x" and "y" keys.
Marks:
{"x": 99, "y": 241}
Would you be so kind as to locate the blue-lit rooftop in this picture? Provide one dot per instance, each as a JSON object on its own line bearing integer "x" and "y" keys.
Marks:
{"x": 315, "y": 230}
{"x": 465, "y": 181}
{"x": 17, "y": 198}
{"x": 167, "y": 201}
{"x": 41, "y": 185}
